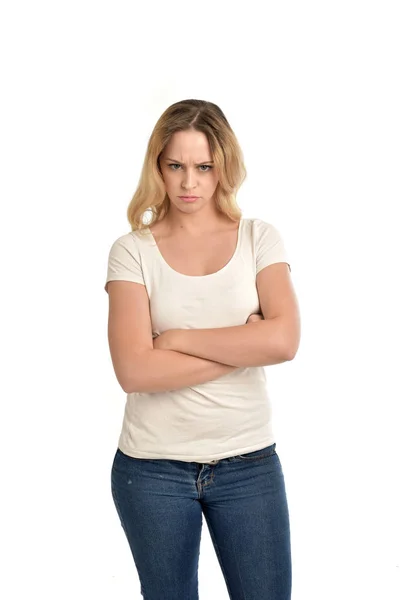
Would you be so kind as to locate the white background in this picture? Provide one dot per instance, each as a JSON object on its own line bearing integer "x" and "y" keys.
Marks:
{"x": 312, "y": 91}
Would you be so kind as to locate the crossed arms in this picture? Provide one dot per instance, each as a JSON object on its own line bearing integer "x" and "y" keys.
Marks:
{"x": 183, "y": 357}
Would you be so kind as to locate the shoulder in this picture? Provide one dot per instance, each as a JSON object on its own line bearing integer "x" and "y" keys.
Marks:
{"x": 261, "y": 231}
{"x": 268, "y": 244}
{"x": 261, "y": 225}
{"x": 125, "y": 260}
{"x": 130, "y": 241}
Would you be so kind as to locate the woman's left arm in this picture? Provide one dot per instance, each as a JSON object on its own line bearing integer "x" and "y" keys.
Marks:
{"x": 271, "y": 341}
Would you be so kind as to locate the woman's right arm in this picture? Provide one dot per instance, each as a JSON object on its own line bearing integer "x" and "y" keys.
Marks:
{"x": 138, "y": 367}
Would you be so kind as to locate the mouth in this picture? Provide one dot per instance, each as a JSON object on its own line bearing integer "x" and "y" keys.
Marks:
{"x": 188, "y": 198}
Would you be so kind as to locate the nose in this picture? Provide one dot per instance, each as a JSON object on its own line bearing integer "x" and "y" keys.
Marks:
{"x": 188, "y": 179}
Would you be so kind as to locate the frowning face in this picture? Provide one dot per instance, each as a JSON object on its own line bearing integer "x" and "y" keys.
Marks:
{"x": 189, "y": 174}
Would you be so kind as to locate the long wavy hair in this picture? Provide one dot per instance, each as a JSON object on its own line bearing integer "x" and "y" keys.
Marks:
{"x": 199, "y": 115}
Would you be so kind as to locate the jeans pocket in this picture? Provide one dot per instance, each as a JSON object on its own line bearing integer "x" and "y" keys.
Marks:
{"x": 258, "y": 454}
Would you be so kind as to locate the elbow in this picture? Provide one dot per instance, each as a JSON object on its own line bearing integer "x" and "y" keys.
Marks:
{"x": 141, "y": 384}
{"x": 290, "y": 354}
{"x": 291, "y": 341}
{"x": 291, "y": 350}
{"x": 128, "y": 385}
{"x": 133, "y": 385}
{"x": 127, "y": 380}
{"x": 134, "y": 377}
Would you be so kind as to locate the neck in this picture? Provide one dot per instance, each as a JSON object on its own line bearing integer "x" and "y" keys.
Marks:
{"x": 194, "y": 225}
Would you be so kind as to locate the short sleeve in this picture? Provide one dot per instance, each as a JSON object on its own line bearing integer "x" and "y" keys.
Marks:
{"x": 124, "y": 263}
{"x": 269, "y": 245}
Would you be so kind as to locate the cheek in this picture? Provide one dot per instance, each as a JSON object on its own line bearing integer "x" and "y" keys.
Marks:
{"x": 214, "y": 179}
{"x": 168, "y": 179}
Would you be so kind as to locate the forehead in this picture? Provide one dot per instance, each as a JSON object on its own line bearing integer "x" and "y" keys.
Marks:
{"x": 188, "y": 146}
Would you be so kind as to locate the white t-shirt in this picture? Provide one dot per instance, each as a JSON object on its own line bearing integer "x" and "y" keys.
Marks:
{"x": 225, "y": 417}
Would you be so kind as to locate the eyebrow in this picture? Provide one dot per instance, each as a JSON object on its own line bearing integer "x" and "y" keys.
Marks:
{"x": 198, "y": 164}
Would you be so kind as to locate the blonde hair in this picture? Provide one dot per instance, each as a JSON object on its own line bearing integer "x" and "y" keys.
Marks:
{"x": 198, "y": 115}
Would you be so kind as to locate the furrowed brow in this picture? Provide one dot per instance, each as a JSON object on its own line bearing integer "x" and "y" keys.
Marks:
{"x": 197, "y": 165}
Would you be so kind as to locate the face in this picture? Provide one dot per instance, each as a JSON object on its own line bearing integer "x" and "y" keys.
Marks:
{"x": 187, "y": 169}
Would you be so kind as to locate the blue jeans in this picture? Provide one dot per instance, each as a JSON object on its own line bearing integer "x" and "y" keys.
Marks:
{"x": 160, "y": 504}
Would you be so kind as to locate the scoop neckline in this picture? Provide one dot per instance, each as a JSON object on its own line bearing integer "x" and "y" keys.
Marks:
{"x": 209, "y": 274}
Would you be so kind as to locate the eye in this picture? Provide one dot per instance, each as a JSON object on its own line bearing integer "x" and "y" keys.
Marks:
{"x": 207, "y": 167}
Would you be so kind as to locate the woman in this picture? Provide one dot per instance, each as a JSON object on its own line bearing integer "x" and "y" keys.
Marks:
{"x": 200, "y": 300}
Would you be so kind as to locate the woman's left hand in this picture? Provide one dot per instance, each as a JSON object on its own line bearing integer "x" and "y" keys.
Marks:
{"x": 164, "y": 341}
{"x": 255, "y": 317}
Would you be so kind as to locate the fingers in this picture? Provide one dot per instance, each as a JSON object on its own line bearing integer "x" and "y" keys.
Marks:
{"x": 255, "y": 317}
